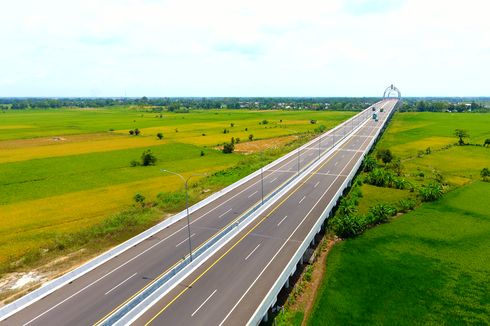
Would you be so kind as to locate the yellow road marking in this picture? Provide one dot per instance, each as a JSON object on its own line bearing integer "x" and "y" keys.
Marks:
{"x": 243, "y": 237}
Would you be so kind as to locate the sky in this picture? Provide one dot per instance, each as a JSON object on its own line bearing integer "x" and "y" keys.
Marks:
{"x": 244, "y": 47}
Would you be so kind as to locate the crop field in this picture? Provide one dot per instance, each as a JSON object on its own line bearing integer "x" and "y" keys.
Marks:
{"x": 361, "y": 273}
{"x": 408, "y": 137}
{"x": 428, "y": 267}
{"x": 65, "y": 170}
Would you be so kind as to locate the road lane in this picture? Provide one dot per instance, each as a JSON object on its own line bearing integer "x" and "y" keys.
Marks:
{"x": 242, "y": 286}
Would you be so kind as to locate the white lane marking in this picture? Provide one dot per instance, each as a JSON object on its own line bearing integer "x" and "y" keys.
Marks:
{"x": 302, "y": 199}
{"x": 250, "y": 254}
{"x": 273, "y": 180}
{"x": 225, "y": 213}
{"x": 328, "y": 171}
{"x": 202, "y": 304}
{"x": 316, "y": 184}
{"x": 285, "y": 217}
{"x": 187, "y": 239}
{"x": 253, "y": 194}
{"x": 278, "y": 251}
{"x": 336, "y": 163}
{"x": 285, "y": 163}
{"x": 120, "y": 284}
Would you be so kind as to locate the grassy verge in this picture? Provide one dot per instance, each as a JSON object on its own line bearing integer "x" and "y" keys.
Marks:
{"x": 427, "y": 267}
{"x": 92, "y": 240}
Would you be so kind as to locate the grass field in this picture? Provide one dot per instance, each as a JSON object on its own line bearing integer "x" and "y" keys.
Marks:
{"x": 409, "y": 133}
{"x": 368, "y": 299}
{"x": 67, "y": 170}
{"x": 429, "y": 267}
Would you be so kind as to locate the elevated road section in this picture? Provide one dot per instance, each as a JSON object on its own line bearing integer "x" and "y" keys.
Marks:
{"x": 98, "y": 288}
{"x": 239, "y": 283}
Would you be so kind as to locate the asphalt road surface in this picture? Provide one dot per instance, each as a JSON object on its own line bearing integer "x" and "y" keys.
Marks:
{"x": 93, "y": 296}
{"x": 230, "y": 285}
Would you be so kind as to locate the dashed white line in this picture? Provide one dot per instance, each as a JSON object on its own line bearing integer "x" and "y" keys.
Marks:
{"x": 202, "y": 304}
{"x": 285, "y": 217}
{"x": 302, "y": 199}
{"x": 336, "y": 163}
{"x": 250, "y": 254}
{"x": 120, "y": 284}
{"x": 316, "y": 184}
{"x": 273, "y": 180}
{"x": 178, "y": 244}
{"x": 253, "y": 194}
{"x": 225, "y": 213}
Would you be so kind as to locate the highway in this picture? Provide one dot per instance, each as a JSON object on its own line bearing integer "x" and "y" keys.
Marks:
{"x": 93, "y": 296}
{"x": 231, "y": 284}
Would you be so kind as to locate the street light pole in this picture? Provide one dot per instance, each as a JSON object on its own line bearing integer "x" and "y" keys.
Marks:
{"x": 186, "y": 185}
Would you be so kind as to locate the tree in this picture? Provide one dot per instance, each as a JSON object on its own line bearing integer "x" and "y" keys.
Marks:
{"x": 485, "y": 174}
{"x": 232, "y": 125}
{"x": 139, "y": 199}
{"x": 250, "y": 137}
{"x": 228, "y": 148}
{"x": 137, "y": 132}
{"x": 202, "y": 153}
{"x": 487, "y": 142}
{"x": 461, "y": 134}
{"x": 131, "y": 132}
{"x": 160, "y": 135}
{"x": 384, "y": 155}
{"x": 147, "y": 158}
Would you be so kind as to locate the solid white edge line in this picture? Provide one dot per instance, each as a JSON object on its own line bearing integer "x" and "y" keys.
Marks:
{"x": 263, "y": 270}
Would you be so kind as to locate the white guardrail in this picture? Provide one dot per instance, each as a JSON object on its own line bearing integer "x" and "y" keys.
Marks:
{"x": 271, "y": 297}
{"x": 133, "y": 309}
{"x": 59, "y": 282}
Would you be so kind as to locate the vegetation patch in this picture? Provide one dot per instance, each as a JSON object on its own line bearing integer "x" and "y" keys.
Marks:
{"x": 427, "y": 267}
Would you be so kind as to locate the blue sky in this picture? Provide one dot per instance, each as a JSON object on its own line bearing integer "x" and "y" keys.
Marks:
{"x": 244, "y": 48}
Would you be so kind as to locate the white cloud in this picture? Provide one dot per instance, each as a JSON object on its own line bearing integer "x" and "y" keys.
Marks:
{"x": 243, "y": 48}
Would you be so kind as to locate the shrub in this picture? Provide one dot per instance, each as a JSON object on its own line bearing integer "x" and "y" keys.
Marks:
{"x": 237, "y": 140}
{"x": 487, "y": 142}
{"x": 407, "y": 204}
{"x": 347, "y": 207}
{"x": 160, "y": 135}
{"x": 384, "y": 155}
{"x": 485, "y": 174}
{"x": 380, "y": 213}
{"x": 313, "y": 122}
{"x": 147, "y": 158}
{"x": 431, "y": 192}
{"x": 137, "y": 132}
{"x": 228, "y": 148}
{"x": 139, "y": 199}
{"x": 347, "y": 226}
{"x": 264, "y": 122}
{"x": 232, "y": 125}
{"x": 202, "y": 153}
{"x": 380, "y": 177}
{"x": 369, "y": 164}
{"x": 428, "y": 151}
{"x": 250, "y": 137}
{"x": 131, "y": 132}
